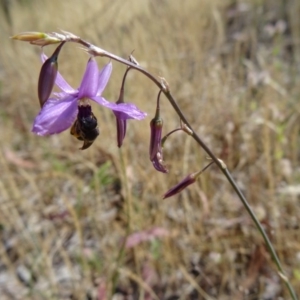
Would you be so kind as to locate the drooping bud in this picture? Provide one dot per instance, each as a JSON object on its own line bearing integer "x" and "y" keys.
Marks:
{"x": 121, "y": 122}
{"x": 156, "y": 125}
{"x": 155, "y": 149}
{"x": 85, "y": 127}
{"x": 48, "y": 75}
{"x": 188, "y": 180}
{"x": 121, "y": 128}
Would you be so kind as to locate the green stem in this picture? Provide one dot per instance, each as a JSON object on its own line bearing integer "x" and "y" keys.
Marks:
{"x": 161, "y": 85}
{"x": 115, "y": 275}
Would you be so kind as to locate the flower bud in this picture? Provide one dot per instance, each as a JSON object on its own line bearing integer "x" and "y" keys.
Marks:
{"x": 121, "y": 128}
{"x": 121, "y": 122}
{"x": 155, "y": 149}
{"x": 29, "y": 36}
{"x": 47, "y": 76}
{"x": 188, "y": 180}
{"x": 39, "y": 38}
{"x": 156, "y": 125}
{"x": 191, "y": 178}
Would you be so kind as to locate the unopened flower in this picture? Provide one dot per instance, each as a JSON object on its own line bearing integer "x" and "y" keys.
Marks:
{"x": 59, "y": 113}
{"x": 48, "y": 75}
{"x": 188, "y": 180}
{"x": 121, "y": 128}
{"x": 120, "y": 121}
{"x": 155, "y": 149}
{"x": 29, "y": 36}
{"x": 39, "y": 38}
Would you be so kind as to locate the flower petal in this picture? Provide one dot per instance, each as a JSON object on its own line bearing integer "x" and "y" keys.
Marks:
{"x": 60, "y": 81}
{"x": 55, "y": 116}
{"x": 104, "y": 76}
{"x": 62, "y": 95}
{"x": 126, "y": 110}
{"x": 89, "y": 84}
{"x": 63, "y": 85}
{"x": 159, "y": 164}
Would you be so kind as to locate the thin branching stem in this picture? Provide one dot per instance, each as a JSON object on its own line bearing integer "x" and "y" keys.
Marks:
{"x": 161, "y": 84}
{"x": 163, "y": 140}
{"x": 217, "y": 161}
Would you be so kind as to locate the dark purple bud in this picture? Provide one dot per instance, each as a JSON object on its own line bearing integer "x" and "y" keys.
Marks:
{"x": 156, "y": 125}
{"x": 181, "y": 185}
{"x": 121, "y": 128}
{"x": 155, "y": 149}
{"x": 188, "y": 180}
{"x": 120, "y": 121}
{"x": 48, "y": 75}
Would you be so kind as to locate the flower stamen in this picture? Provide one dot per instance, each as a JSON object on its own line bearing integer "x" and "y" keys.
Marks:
{"x": 84, "y": 102}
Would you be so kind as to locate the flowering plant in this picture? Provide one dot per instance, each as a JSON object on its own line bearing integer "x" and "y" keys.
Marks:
{"x": 72, "y": 108}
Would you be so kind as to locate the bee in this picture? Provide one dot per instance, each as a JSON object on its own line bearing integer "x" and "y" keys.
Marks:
{"x": 85, "y": 127}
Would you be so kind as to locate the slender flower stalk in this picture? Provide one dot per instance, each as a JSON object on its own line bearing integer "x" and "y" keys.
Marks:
{"x": 96, "y": 51}
{"x": 163, "y": 140}
{"x": 222, "y": 167}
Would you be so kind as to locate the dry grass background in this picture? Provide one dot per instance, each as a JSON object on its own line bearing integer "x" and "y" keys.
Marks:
{"x": 233, "y": 67}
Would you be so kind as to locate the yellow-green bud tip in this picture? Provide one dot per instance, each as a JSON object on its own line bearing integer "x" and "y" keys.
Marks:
{"x": 29, "y": 36}
{"x": 39, "y": 38}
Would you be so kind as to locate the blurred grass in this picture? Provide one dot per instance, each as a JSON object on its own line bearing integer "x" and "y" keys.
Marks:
{"x": 234, "y": 69}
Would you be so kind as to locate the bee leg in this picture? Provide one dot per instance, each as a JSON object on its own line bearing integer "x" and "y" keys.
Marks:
{"x": 75, "y": 131}
{"x": 86, "y": 144}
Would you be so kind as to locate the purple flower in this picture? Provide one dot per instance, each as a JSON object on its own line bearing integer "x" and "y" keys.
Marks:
{"x": 58, "y": 114}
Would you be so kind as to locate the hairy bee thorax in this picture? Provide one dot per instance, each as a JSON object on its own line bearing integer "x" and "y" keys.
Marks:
{"x": 85, "y": 127}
